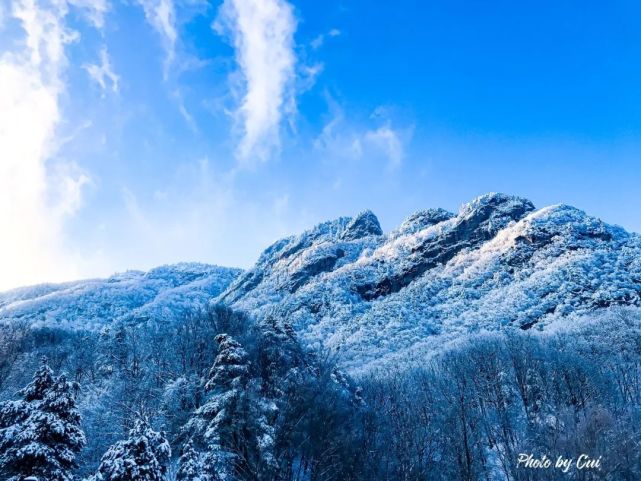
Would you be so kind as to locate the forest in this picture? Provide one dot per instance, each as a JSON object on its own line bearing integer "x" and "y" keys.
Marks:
{"x": 219, "y": 396}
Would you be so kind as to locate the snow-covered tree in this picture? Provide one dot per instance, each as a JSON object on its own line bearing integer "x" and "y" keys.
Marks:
{"x": 40, "y": 435}
{"x": 219, "y": 424}
{"x": 231, "y": 367}
{"x": 143, "y": 456}
{"x": 278, "y": 352}
{"x": 191, "y": 466}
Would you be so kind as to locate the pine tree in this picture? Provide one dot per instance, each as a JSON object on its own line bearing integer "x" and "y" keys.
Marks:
{"x": 40, "y": 435}
{"x": 235, "y": 430}
{"x": 262, "y": 416}
{"x": 143, "y": 456}
{"x": 219, "y": 425}
{"x": 282, "y": 360}
{"x": 231, "y": 367}
{"x": 191, "y": 466}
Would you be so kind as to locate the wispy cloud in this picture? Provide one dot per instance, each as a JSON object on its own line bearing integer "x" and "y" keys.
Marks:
{"x": 103, "y": 74}
{"x": 262, "y": 33}
{"x": 94, "y": 10}
{"x": 319, "y": 41}
{"x": 388, "y": 141}
{"x": 308, "y": 76}
{"x": 35, "y": 195}
{"x": 161, "y": 15}
{"x": 377, "y": 138}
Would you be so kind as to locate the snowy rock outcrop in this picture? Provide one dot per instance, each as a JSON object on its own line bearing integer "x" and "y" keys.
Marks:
{"x": 363, "y": 225}
{"x": 423, "y": 219}
{"x": 378, "y": 297}
{"x": 498, "y": 262}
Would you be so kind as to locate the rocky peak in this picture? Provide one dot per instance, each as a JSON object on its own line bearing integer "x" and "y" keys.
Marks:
{"x": 496, "y": 208}
{"x": 477, "y": 222}
{"x": 363, "y": 225}
{"x": 496, "y": 262}
{"x": 423, "y": 219}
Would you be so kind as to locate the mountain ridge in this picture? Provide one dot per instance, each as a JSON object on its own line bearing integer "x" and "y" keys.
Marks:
{"x": 347, "y": 286}
{"x": 497, "y": 262}
{"x": 86, "y": 304}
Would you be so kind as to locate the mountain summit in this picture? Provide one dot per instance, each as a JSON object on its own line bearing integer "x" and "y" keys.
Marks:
{"x": 499, "y": 262}
{"x": 372, "y": 296}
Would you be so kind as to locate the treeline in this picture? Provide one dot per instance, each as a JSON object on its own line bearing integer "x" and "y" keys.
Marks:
{"x": 219, "y": 397}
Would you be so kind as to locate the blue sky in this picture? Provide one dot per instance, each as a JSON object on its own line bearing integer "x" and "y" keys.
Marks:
{"x": 142, "y": 132}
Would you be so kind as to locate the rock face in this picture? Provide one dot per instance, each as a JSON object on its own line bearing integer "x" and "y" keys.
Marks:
{"x": 498, "y": 262}
{"x": 477, "y": 222}
{"x": 363, "y": 225}
{"x": 293, "y": 262}
{"x": 423, "y": 219}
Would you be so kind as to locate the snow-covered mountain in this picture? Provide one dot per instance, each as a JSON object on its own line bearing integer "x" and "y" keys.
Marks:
{"x": 163, "y": 292}
{"x": 427, "y": 293}
{"x": 374, "y": 296}
{"x": 498, "y": 262}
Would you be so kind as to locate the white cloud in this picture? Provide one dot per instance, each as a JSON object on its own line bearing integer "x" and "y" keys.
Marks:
{"x": 387, "y": 140}
{"x": 161, "y": 15}
{"x": 35, "y": 195}
{"x": 262, "y": 33}
{"x": 94, "y": 10}
{"x": 103, "y": 74}
{"x": 342, "y": 139}
{"x": 319, "y": 41}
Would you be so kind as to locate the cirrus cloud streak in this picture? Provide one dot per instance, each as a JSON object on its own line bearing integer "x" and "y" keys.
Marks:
{"x": 262, "y": 34}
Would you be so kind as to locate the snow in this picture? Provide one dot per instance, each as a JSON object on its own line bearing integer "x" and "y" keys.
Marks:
{"x": 512, "y": 265}
{"x": 163, "y": 292}
{"x": 376, "y": 298}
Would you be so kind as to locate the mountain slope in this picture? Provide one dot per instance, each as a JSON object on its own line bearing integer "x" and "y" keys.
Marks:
{"x": 377, "y": 297}
{"x": 429, "y": 290}
{"x": 163, "y": 292}
{"x": 440, "y": 276}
